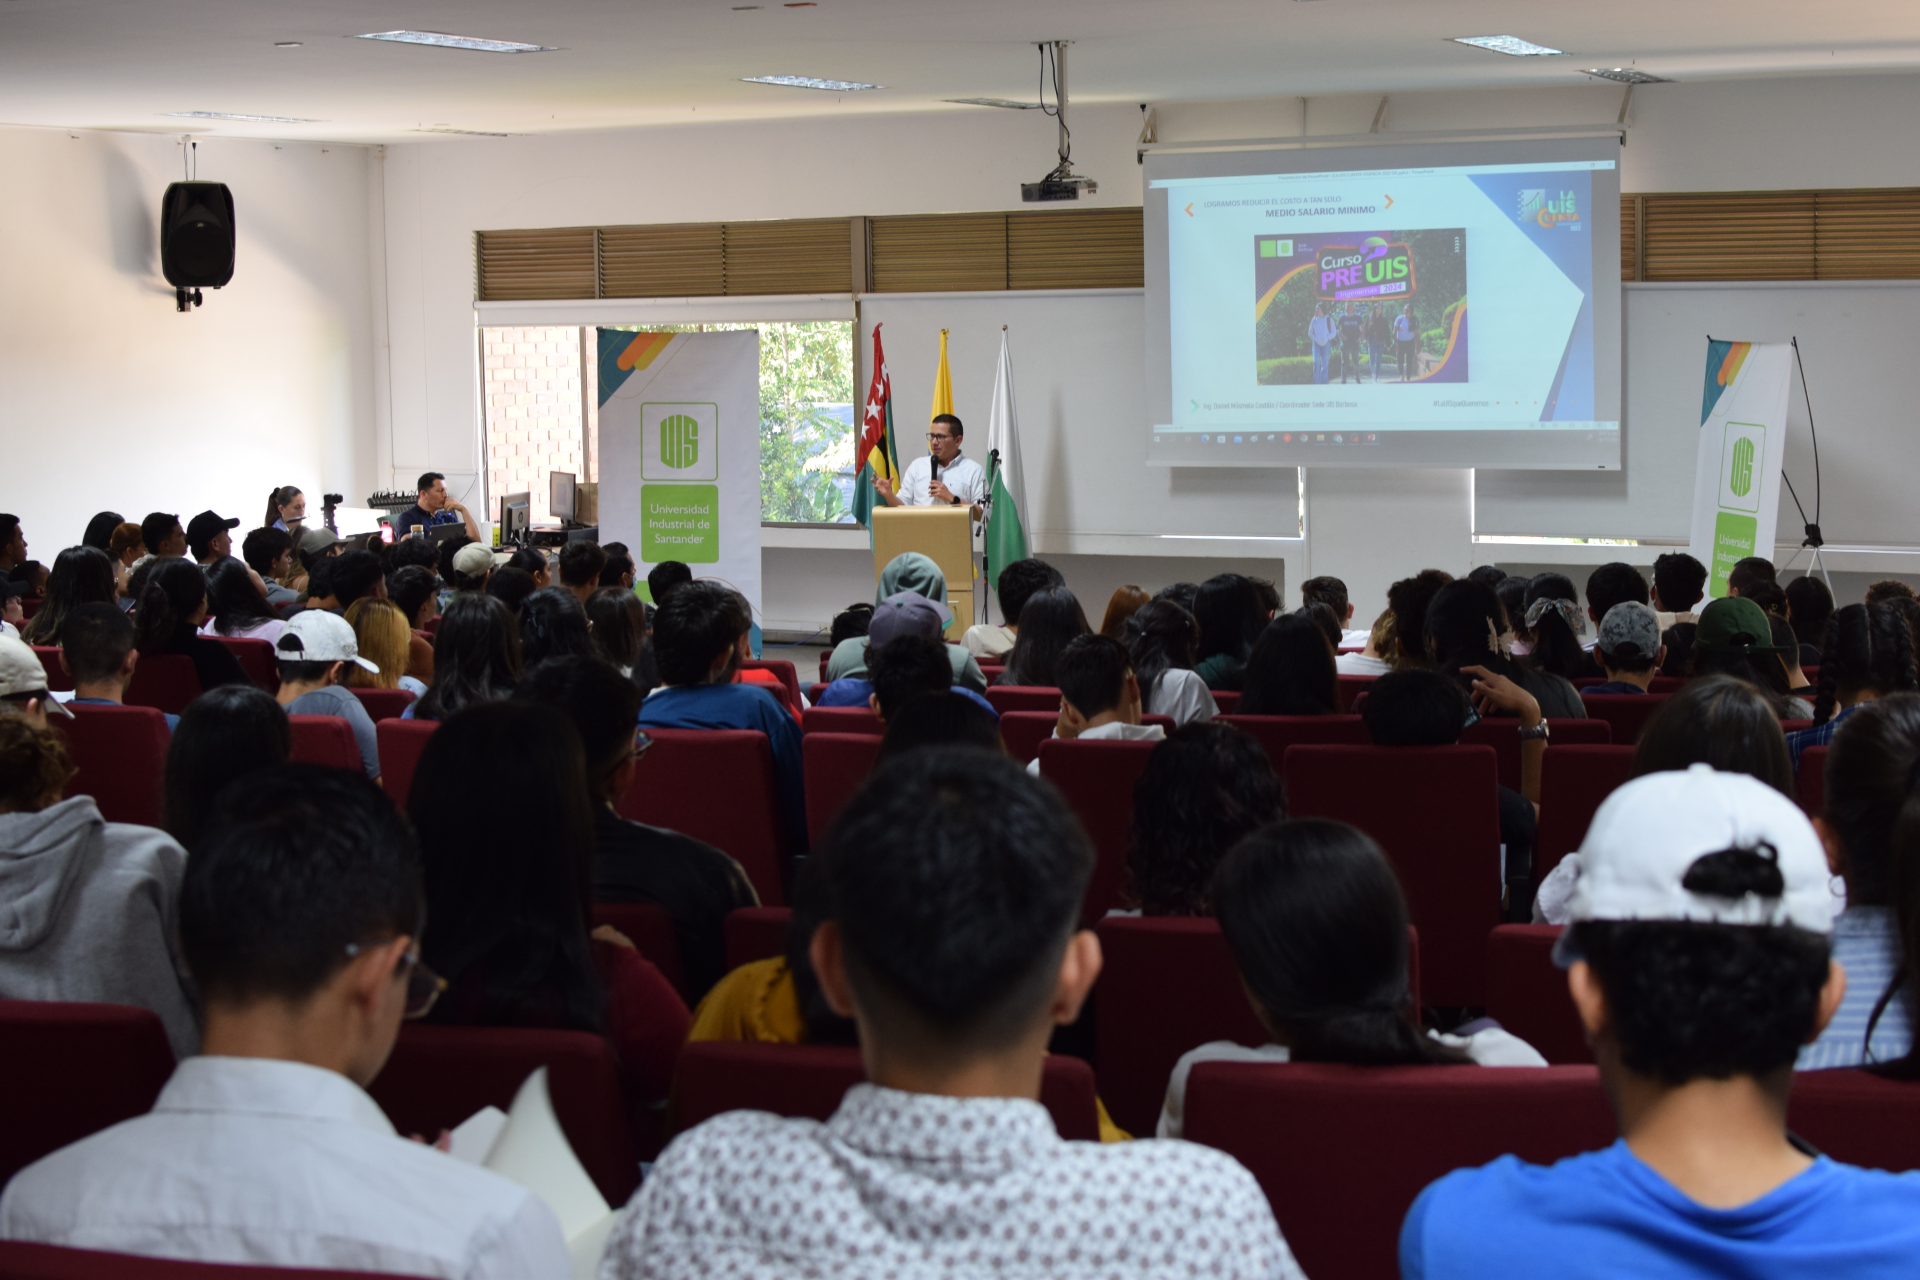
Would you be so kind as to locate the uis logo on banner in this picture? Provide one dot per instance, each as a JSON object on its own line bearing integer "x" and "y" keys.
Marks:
{"x": 1741, "y": 453}
{"x": 679, "y": 441}
{"x": 1547, "y": 209}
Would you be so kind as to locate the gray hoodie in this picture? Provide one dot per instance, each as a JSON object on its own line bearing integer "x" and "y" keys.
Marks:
{"x": 89, "y": 910}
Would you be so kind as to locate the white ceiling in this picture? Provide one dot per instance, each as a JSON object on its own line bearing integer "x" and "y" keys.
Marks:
{"x": 123, "y": 64}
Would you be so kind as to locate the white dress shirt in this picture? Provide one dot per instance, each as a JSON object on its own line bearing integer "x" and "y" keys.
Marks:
{"x": 963, "y": 477}
{"x": 1182, "y": 695}
{"x": 916, "y": 1185}
{"x": 271, "y": 1163}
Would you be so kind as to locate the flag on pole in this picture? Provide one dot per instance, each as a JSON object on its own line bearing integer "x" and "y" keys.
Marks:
{"x": 875, "y": 456}
{"x": 1006, "y": 535}
{"x": 942, "y": 384}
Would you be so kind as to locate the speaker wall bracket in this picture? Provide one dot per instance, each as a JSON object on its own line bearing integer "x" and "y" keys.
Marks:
{"x": 186, "y": 299}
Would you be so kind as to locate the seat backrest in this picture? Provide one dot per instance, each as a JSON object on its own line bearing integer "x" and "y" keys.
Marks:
{"x": 70, "y": 1070}
{"x": 1023, "y": 697}
{"x": 1226, "y": 701}
{"x": 836, "y": 765}
{"x": 324, "y": 740}
{"x": 1666, "y": 684}
{"x": 649, "y": 926}
{"x": 1342, "y": 1151}
{"x": 1810, "y": 781}
{"x": 1628, "y": 713}
{"x": 1277, "y": 733}
{"x": 715, "y": 785}
{"x": 21, "y": 1260}
{"x": 826, "y": 656}
{"x": 841, "y": 720}
{"x": 1351, "y": 687}
{"x": 1573, "y": 782}
{"x": 120, "y": 758}
{"x": 57, "y": 676}
{"x": 383, "y": 704}
{"x": 1441, "y": 830}
{"x": 1527, "y": 992}
{"x": 991, "y": 670}
{"x": 1502, "y": 733}
{"x": 782, "y": 668}
{"x": 1097, "y": 780}
{"x": 1795, "y": 726}
{"x": 439, "y": 1075}
{"x": 808, "y": 1081}
{"x": 166, "y": 681}
{"x": 756, "y": 933}
{"x": 1024, "y": 731}
{"x": 813, "y": 693}
{"x": 400, "y": 743}
{"x": 1858, "y": 1118}
{"x": 257, "y": 658}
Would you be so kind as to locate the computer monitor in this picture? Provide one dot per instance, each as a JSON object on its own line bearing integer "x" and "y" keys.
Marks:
{"x": 516, "y": 515}
{"x": 560, "y": 495}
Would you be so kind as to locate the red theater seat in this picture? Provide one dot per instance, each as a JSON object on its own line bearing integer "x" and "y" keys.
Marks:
{"x": 400, "y": 743}
{"x": 1441, "y": 829}
{"x": 649, "y": 927}
{"x": 256, "y": 658}
{"x": 324, "y": 740}
{"x": 1666, "y": 684}
{"x": 715, "y": 1076}
{"x": 1277, "y": 733}
{"x": 120, "y": 754}
{"x": 1226, "y": 702}
{"x": 1024, "y": 731}
{"x": 1023, "y": 697}
{"x": 1573, "y": 782}
{"x": 166, "y": 681}
{"x": 826, "y": 656}
{"x": 756, "y": 933}
{"x": 715, "y": 785}
{"x": 1342, "y": 1151}
{"x": 1097, "y": 780}
{"x": 841, "y": 720}
{"x": 71, "y": 1070}
{"x": 1627, "y": 713}
{"x": 383, "y": 704}
{"x": 57, "y": 677}
{"x": 1858, "y": 1118}
{"x": 992, "y": 670}
{"x": 22, "y": 1261}
{"x": 1811, "y": 780}
{"x": 1351, "y": 687}
{"x": 1502, "y": 733}
{"x": 438, "y": 1076}
{"x": 1527, "y": 992}
{"x": 836, "y": 765}
{"x": 783, "y": 669}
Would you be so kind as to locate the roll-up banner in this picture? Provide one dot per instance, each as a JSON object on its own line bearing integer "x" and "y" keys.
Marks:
{"x": 1743, "y": 438}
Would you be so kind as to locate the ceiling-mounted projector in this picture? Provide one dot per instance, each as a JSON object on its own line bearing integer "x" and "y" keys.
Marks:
{"x": 1062, "y": 183}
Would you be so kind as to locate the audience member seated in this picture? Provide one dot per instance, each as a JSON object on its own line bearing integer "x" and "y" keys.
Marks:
{"x": 534, "y": 563}
{"x": 1488, "y": 575}
{"x": 618, "y": 572}
{"x": 1051, "y": 619}
{"x": 1317, "y": 924}
{"x": 700, "y": 639}
{"x": 172, "y": 607}
{"x": 476, "y": 658}
{"x": 91, "y": 904}
{"x": 580, "y": 566}
{"x": 1323, "y": 617}
{"x": 311, "y": 548}
{"x": 1870, "y": 844}
{"x": 954, "y": 888}
{"x": 96, "y": 647}
{"x": 434, "y": 507}
{"x": 209, "y": 537}
{"x": 1679, "y": 583}
{"x": 381, "y": 633}
{"x": 1203, "y": 791}
{"x": 1122, "y": 604}
{"x": 1407, "y": 600}
{"x": 81, "y": 575}
{"x": 1512, "y": 591}
{"x": 1013, "y": 588}
{"x": 1555, "y": 623}
{"x": 238, "y": 610}
{"x": 907, "y": 659}
{"x": 224, "y": 735}
{"x": 1781, "y": 632}
{"x": 357, "y": 575}
{"x": 664, "y": 577}
{"x": 633, "y": 862}
{"x": 472, "y": 567}
{"x": 1291, "y": 671}
{"x": 1869, "y": 654}
{"x": 512, "y": 588}
{"x": 1331, "y": 592}
{"x": 1099, "y": 695}
{"x": 415, "y": 591}
{"x": 318, "y": 592}
{"x": 1745, "y": 573}
{"x": 618, "y": 623}
{"x": 300, "y": 920}
{"x": 1462, "y": 634}
{"x": 162, "y": 535}
{"x": 31, "y": 580}
{"x": 509, "y": 893}
{"x": 1161, "y": 639}
{"x": 777, "y": 1000}
{"x": 912, "y": 573}
{"x": 1888, "y": 589}
{"x": 124, "y": 549}
{"x": 1611, "y": 584}
{"x": 1699, "y": 963}
{"x": 1227, "y": 609}
{"x": 1628, "y": 649}
{"x": 903, "y": 613}
{"x": 23, "y": 685}
{"x": 553, "y": 624}
{"x": 100, "y": 529}
{"x": 314, "y": 651}
{"x": 941, "y": 720}
{"x": 1375, "y": 656}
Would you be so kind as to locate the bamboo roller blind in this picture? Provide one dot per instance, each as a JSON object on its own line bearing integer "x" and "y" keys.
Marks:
{"x": 1865, "y": 234}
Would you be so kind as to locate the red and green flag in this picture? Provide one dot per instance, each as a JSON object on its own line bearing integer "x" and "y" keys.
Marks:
{"x": 875, "y": 455}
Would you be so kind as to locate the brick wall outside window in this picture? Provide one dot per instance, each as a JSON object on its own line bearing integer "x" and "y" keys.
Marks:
{"x": 534, "y": 379}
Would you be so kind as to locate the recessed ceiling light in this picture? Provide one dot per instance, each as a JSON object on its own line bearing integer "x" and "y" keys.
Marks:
{"x": 235, "y": 115}
{"x": 465, "y": 133}
{"x": 1008, "y": 103}
{"x": 288, "y": 44}
{"x": 441, "y": 40}
{"x": 1511, "y": 44}
{"x": 1626, "y": 75}
{"x": 810, "y": 82}
{"x": 742, "y": 8}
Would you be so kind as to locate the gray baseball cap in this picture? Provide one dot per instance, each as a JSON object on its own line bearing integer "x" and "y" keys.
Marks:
{"x": 1630, "y": 630}
{"x": 907, "y": 613}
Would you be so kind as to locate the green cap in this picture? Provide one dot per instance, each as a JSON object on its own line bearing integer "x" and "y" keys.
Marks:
{"x": 1735, "y": 625}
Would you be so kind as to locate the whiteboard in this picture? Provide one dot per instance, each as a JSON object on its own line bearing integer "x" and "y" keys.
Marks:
{"x": 1860, "y": 341}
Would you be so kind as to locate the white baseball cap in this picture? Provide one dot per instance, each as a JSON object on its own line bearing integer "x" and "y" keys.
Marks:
{"x": 22, "y": 674}
{"x": 314, "y": 635}
{"x": 1650, "y": 832}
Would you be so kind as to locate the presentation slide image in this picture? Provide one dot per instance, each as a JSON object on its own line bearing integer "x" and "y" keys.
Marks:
{"x": 1366, "y": 305}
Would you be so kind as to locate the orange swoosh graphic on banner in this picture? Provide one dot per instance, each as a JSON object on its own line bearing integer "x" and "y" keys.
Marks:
{"x": 644, "y": 348}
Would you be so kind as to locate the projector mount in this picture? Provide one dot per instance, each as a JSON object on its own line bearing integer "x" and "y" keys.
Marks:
{"x": 1061, "y": 183}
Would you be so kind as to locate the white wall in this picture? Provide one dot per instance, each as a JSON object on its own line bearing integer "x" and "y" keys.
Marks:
{"x": 114, "y": 400}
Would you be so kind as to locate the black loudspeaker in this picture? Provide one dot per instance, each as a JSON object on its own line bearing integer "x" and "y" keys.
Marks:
{"x": 196, "y": 237}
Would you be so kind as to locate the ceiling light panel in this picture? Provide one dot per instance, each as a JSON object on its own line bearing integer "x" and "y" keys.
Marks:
{"x": 1626, "y": 75}
{"x": 811, "y": 82}
{"x": 466, "y": 133}
{"x": 245, "y": 119}
{"x": 1513, "y": 45}
{"x": 441, "y": 40}
{"x": 1008, "y": 103}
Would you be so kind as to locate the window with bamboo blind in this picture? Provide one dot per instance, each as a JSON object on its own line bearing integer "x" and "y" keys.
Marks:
{"x": 1865, "y": 234}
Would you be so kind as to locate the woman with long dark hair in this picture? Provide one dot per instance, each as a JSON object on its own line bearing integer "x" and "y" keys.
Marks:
{"x": 224, "y": 735}
{"x": 476, "y": 658}
{"x": 1317, "y": 924}
{"x": 1050, "y": 620}
{"x": 1555, "y": 623}
{"x": 552, "y": 625}
{"x": 619, "y": 623}
{"x": 1463, "y": 629}
{"x": 1204, "y": 788}
{"x": 172, "y": 605}
{"x": 1227, "y": 608}
{"x": 534, "y": 563}
{"x": 286, "y": 510}
{"x": 1161, "y": 639}
{"x": 509, "y": 888}
{"x": 80, "y": 575}
{"x": 100, "y": 529}
{"x": 1869, "y": 654}
{"x": 239, "y": 610}
{"x": 1290, "y": 671}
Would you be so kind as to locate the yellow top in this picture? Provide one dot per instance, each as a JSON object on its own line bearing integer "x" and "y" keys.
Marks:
{"x": 757, "y": 1004}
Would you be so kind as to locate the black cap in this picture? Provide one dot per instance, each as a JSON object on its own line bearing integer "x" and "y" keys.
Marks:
{"x": 206, "y": 524}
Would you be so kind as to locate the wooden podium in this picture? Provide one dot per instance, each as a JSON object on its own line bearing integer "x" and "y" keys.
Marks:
{"x": 943, "y": 535}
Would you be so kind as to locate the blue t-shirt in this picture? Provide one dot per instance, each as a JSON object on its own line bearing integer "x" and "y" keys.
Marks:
{"x": 740, "y": 706}
{"x": 854, "y": 692}
{"x": 1614, "y": 686}
{"x": 173, "y": 721}
{"x": 1605, "y": 1214}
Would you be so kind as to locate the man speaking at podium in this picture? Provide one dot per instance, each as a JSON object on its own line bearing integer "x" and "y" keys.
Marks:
{"x": 939, "y": 478}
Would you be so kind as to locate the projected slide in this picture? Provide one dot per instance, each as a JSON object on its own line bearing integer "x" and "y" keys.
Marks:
{"x": 1432, "y": 315}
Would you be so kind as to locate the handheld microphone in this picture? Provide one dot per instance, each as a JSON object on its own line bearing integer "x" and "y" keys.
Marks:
{"x": 933, "y": 473}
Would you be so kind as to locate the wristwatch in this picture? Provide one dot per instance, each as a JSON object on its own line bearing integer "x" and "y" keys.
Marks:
{"x": 1537, "y": 731}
